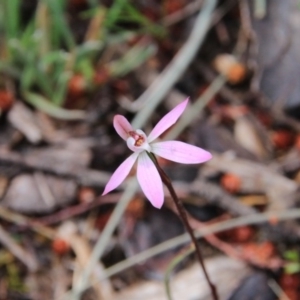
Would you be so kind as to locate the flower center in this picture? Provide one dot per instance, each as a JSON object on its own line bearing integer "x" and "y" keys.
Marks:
{"x": 139, "y": 139}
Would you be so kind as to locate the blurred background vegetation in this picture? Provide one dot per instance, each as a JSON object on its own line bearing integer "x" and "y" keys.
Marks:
{"x": 51, "y": 47}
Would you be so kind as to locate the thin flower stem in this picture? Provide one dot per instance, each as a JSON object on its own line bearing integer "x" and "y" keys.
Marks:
{"x": 181, "y": 210}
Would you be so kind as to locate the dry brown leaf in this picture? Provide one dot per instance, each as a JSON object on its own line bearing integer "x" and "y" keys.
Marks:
{"x": 82, "y": 250}
{"x": 279, "y": 189}
{"x": 22, "y": 118}
{"x": 246, "y": 135}
{"x": 38, "y": 193}
{"x": 63, "y": 159}
{"x": 278, "y": 55}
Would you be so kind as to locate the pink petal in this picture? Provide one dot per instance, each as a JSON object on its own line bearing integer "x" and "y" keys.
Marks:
{"x": 167, "y": 121}
{"x": 122, "y": 126}
{"x": 150, "y": 181}
{"x": 120, "y": 174}
{"x": 180, "y": 152}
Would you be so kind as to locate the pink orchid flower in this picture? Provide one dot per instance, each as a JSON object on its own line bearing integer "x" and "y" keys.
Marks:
{"x": 137, "y": 141}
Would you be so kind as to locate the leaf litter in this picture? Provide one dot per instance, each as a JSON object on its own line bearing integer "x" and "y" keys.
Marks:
{"x": 54, "y": 166}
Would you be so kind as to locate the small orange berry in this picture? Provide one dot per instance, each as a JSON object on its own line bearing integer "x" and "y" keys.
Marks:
{"x": 243, "y": 234}
{"x": 231, "y": 183}
{"x": 282, "y": 138}
{"x": 236, "y": 74}
{"x": 77, "y": 85}
{"x": 260, "y": 253}
{"x": 6, "y": 100}
{"x": 86, "y": 195}
{"x": 135, "y": 208}
{"x": 60, "y": 246}
{"x": 230, "y": 67}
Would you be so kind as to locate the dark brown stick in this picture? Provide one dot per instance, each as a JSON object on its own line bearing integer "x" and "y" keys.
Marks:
{"x": 181, "y": 210}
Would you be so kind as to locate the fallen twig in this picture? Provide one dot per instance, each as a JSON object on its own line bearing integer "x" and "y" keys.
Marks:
{"x": 253, "y": 219}
{"x": 75, "y": 210}
{"x": 24, "y": 256}
{"x": 82, "y": 175}
{"x": 216, "y": 195}
{"x": 26, "y": 222}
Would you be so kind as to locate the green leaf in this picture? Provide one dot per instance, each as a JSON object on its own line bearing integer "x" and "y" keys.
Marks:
{"x": 291, "y": 255}
{"x": 61, "y": 88}
{"x": 124, "y": 11}
{"x": 27, "y": 38}
{"x": 11, "y": 18}
{"x": 60, "y": 26}
{"x": 52, "y": 110}
{"x": 131, "y": 60}
{"x": 54, "y": 58}
{"x": 114, "y": 13}
{"x": 292, "y": 268}
{"x": 89, "y": 48}
{"x": 86, "y": 68}
{"x": 27, "y": 77}
{"x": 44, "y": 81}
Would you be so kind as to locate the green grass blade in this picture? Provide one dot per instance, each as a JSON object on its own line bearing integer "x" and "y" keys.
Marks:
{"x": 88, "y": 49}
{"x": 27, "y": 39}
{"x": 42, "y": 22}
{"x": 114, "y": 13}
{"x": 131, "y": 60}
{"x": 28, "y": 76}
{"x": 61, "y": 88}
{"x": 292, "y": 267}
{"x": 134, "y": 15}
{"x": 52, "y": 110}
{"x": 60, "y": 26}
{"x": 171, "y": 267}
{"x": 11, "y": 18}
{"x": 44, "y": 81}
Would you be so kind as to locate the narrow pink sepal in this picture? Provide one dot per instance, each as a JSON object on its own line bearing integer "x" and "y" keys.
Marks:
{"x": 120, "y": 174}
{"x": 122, "y": 126}
{"x": 167, "y": 121}
{"x": 150, "y": 181}
{"x": 180, "y": 152}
